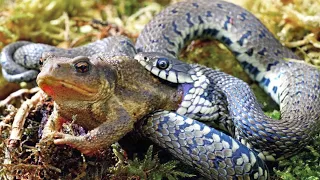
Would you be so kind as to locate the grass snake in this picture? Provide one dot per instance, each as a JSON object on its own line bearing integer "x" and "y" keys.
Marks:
{"x": 211, "y": 97}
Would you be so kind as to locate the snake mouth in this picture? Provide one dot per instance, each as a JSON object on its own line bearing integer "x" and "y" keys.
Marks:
{"x": 52, "y": 86}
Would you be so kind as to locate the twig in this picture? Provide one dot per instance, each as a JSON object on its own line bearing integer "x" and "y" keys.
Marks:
{"x": 5, "y": 121}
{"x": 17, "y": 94}
{"x": 20, "y": 117}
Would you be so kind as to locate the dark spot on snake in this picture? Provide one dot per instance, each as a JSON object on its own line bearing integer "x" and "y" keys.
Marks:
{"x": 225, "y": 26}
{"x": 249, "y": 52}
{"x": 262, "y": 35}
{"x": 180, "y": 44}
{"x": 236, "y": 53}
{"x": 226, "y": 40}
{"x": 297, "y": 93}
{"x": 154, "y": 41}
{"x": 277, "y": 52}
{"x": 189, "y": 20}
{"x": 300, "y": 83}
{"x": 195, "y": 5}
{"x": 314, "y": 97}
{"x": 243, "y": 16}
{"x": 195, "y": 33}
{"x": 272, "y": 64}
{"x": 262, "y": 52}
{"x": 25, "y": 59}
{"x": 167, "y": 39}
{"x": 300, "y": 75}
{"x": 128, "y": 43}
{"x": 254, "y": 71}
{"x": 175, "y": 28}
{"x": 139, "y": 49}
{"x": 243, "y": 37}
{"x": 174, "y": 11}
{"x": 283, "y": 97}
{"x": 210, "y": 32}
{"x": 187, "y": 38}
{"x": 209, "y": 14}
{"x": 244, "y": 64}
{"x": 171, "y": 52}
{"x": 200, "y": 20}
{"x": 265, "y": 81}
{"x": 162, "y": 25}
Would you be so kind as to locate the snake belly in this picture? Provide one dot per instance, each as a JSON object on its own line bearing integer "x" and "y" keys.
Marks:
{"x": 294, "y": 86}
{"x": 20, "y": 60}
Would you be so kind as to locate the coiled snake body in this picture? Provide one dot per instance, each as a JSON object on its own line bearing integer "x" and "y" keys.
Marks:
{"x": 219, "y": 99}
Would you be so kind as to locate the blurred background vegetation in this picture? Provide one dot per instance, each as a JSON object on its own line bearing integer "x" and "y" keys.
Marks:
{"x": 296, "y": 23}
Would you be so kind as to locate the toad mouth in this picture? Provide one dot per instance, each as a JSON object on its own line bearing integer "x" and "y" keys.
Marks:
{"x": 48, "y": 82}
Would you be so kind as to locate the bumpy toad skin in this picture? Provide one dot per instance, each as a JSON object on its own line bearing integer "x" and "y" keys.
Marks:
{"x": 107, "y": 95}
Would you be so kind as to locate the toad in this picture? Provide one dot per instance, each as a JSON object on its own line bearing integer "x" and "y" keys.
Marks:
{"x": 106, "y": 94}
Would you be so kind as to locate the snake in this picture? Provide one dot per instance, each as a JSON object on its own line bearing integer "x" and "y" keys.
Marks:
{"x": 219, "y": 128}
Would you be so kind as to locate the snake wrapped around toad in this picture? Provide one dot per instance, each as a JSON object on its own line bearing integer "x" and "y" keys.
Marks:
{"x": 212, "y": 97}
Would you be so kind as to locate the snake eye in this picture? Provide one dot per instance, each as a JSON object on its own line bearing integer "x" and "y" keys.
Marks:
{"x": 82, "y": 67}
{"x": 163, "y": 63}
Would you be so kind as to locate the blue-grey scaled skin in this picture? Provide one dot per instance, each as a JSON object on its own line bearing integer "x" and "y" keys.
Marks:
{"x": 294, "y": 86}
{"x": 218, "y": 99}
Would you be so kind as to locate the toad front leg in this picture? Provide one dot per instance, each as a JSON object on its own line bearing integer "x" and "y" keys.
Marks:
{"x": 98, "y": 138}
{"x": 53, "y": 124}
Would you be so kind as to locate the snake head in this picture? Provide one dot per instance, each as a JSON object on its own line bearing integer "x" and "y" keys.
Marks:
{"x": 165, "y": 67}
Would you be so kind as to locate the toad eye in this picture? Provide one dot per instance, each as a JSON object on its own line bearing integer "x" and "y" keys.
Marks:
{"x": 162, "y": 63}
{"x": 82, "y": 66}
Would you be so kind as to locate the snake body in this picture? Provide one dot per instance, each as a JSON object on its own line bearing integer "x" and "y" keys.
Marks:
{"x": 215, "y": 98}
{"x": 294, "y": 86}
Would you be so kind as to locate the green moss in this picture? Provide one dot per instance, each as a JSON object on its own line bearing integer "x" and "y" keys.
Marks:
{"x": 147, "y": 168}
{"x": 22, "y": 19}
{"x": 305, "y": 166}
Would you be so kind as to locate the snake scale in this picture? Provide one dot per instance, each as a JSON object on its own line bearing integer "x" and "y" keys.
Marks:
{"x": 212, "y": 98}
